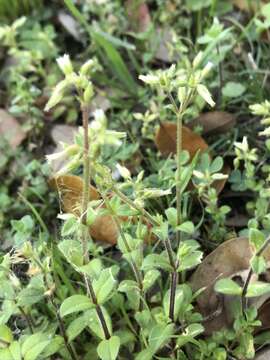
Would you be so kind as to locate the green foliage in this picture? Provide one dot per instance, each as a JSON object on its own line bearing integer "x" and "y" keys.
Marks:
{"x": 64, "y": 295}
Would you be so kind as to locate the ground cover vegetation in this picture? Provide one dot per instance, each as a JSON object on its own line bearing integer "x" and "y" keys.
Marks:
{"x": 135, "y": 179}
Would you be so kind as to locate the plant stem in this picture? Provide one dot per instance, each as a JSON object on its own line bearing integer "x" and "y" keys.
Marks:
{"x": 149, "y": 217}
{"x": 92, "y": 295}
{"x": 61, "y": 324}
{"x": 85, "y": 235}
{"x": 136, "y": 271}
{"x": 246, "y": 284}
{"x": 220, "y": 73}
{"x": 178, "y": 174}
{"x": 86, "y": 182}
{"x": 167, "y": 246}
{"x": 28, "y": 319}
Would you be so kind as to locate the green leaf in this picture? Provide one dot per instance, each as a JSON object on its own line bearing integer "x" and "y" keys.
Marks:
{"x": 196, "y": 5}
{"x": 146, "y": 354}
{"x": 104, "y": 286}
{"x": 205, "y": 94}
{"x": 15, "y": 350}
{"x": 75, "y": 303}
{"x": 108, "y": 349}
{"x": 92, "y": 269}
{"x": 256, "y": 238}
{"x": 76, "y": 327}
{"x": 228, "y": 286}
{"x": 5, "y": 354}
{"x": 116, "y": 61}
{"x": 233, "y": 89}
{"x": 70, "y": 226}
{"x": 55, "y": 345}
{"x": 258, "y": 264}
{"x": 33, "y": 346}
{"x": 258, "y": 288}
{"x": 160, "y": 335}
{"x": 186, "y": 227}
{"x": 188, "y": 255}
{"x": 159, "y": 261}
{"x": 216, "y": 164}
{"x": 183, "y": 297}
{"x": 6, "y": 336}
{"x": 30, "y": 295}
{"x": 149, "y": 279}
{"x": 128, "y": 286}
{"x": 189, "y": 334}
{"x": 186, "y": 173}
{"x": 94, "y": 322}
{"x": 72, "y": 251}
{"x": 171, "y": 214}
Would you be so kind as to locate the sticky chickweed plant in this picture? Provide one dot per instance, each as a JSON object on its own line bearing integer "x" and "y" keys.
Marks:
{"x": 84, "y": 301}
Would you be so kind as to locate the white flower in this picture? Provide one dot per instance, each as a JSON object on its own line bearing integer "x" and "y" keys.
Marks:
{"x": 205, "y": 94}
{"x": 149, "y": 79}
{"x": 65, "y": 64}
{"x": 123, "y": 171}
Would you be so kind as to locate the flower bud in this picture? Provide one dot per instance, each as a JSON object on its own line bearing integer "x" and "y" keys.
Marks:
{"x": 87, "y": 66}
{"x": 88, "y": 93}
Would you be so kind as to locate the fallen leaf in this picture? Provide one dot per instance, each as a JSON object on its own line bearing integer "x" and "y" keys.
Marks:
{"x": 70, "y": 25}
{"x": 263, "y": 355}
{"x": 101, "y": 101}
{"x": 104, "y": 228}
{"x": 165, "y": 49}
{"x": 238, "y": 220}
{"x": 230, "y": 258}
{"x": 214, "y": 122}
{"x": 65, "y": 134}
{"x": 70, "y": 189}
{"x": 264, "y": 316}
{"x": 166, "y": 138}
{"x": 139, "y": 15}
{"x": 10, "y": 129}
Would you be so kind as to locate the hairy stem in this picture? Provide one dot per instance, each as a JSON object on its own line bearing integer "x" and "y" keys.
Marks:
{"x": 85, "y": 235}
{"x": 86, "y": 183}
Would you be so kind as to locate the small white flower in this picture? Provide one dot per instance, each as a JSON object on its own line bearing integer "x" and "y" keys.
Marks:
{"x": 149, "y": 79}
{"x": 205, "y": 94}
{"x": 123, "y": 171}
{"x": 65, "y": 64}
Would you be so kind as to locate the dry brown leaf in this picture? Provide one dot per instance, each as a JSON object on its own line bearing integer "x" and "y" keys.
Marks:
{"x": 10, "y": 129}
{"x": 229, "y": 258}
{"x": 166, "y": 135}
{"x": 214, "y": 122}
{"x": 165, "y": 49}
{"x": 104, "y": 228}
{"x": 65, "y": 134}
{"x": 263, "y": 355}
{"x": 264, "y": 316}
{"x": 69, "y": 24}
{"x": 139, "y": 15}
{"x": 70, "y": 189}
